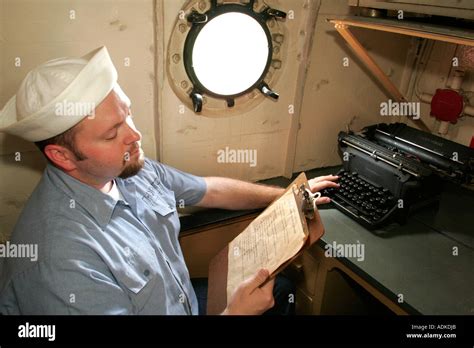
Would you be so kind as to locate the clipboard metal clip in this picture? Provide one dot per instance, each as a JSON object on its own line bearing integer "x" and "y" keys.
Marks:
{"x": 309, "y": 201}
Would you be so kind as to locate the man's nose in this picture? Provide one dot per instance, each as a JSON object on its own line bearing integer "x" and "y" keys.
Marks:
{"x": 134, "y": 134}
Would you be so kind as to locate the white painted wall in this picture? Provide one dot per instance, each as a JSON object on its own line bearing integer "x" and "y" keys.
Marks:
{"x": 438, "y": 74}
{"x": 192, "y": 142}
{"x": 37, "y": 31}
{"x": 336, "y": 95}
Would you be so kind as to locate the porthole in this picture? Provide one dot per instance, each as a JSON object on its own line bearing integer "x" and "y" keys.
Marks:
{"x": 232, "y": 47}
{"x": 230, "y": 50}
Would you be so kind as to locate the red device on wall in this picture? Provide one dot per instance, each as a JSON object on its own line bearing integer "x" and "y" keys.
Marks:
{"x": 447, "y": 105}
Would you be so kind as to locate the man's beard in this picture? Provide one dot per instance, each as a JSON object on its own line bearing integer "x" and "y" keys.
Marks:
{"x": 132, "y": 168}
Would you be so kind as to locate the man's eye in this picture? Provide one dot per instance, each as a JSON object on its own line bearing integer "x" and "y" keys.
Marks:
{"x": 112, "y": 138}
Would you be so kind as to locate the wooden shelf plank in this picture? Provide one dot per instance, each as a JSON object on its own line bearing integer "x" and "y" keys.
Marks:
{"x": 454, "y": 35}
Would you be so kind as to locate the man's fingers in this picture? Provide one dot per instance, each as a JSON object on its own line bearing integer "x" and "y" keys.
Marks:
{"x": 258, "y": 279}
{"x": 267, "y": 290}
{"x": 269, "y": 285}
{"x": 325, "y": 178}
{"x": 323, "y": 184}
{"x": 323, "y": 200}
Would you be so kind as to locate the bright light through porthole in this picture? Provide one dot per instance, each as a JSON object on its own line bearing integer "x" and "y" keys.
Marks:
{"x": 230, "y": 53}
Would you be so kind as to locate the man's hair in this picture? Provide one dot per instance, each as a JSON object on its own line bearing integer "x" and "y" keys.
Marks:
{"x": 65, "y": 139}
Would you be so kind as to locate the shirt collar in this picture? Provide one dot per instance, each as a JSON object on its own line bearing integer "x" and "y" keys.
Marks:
{"x": 96, "y": 203}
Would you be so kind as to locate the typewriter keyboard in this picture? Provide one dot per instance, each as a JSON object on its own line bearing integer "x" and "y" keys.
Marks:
{"x": 367, "y": 203}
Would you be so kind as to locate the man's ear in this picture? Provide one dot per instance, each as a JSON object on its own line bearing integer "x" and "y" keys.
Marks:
{"x": 61, "y": 157}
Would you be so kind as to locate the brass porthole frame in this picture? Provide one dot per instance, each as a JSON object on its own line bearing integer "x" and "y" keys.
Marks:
{"x": 186, "y": 86}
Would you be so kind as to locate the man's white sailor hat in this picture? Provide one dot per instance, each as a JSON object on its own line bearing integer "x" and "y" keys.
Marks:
{"x": 58, "y": 94}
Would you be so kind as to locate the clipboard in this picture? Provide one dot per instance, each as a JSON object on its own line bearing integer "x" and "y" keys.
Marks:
{"x": 219, "y": 265}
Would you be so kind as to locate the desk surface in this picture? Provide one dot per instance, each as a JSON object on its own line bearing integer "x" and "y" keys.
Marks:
{"x": 414, "y": 260}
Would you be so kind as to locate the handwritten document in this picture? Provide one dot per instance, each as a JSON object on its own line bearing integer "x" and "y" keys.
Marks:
{"x": 273, "y": 238}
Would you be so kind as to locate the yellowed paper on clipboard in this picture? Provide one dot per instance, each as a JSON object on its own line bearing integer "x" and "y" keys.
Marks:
{"x": 271, "y": 241}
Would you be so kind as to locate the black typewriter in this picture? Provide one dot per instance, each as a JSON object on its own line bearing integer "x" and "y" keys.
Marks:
{"x": 367, "y": 202}
{"x": 391, "y": 170}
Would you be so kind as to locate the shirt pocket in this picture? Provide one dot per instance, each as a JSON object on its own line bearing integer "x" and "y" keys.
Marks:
{"x": 160, "y": 199}
{"x": 139, "y": 273}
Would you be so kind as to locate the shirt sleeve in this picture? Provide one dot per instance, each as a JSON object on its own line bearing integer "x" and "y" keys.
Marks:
{"x": 67, "y": 287}
{"x": 186, "y": 187}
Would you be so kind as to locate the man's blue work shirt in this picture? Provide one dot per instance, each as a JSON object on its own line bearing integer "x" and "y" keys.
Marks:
{"x": 97, "y": 255}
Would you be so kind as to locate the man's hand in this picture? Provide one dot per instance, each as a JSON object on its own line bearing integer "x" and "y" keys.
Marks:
{"x": 251, "y": 299}
{"x": 315, "y": 226}
{"x": 320, "y": 183}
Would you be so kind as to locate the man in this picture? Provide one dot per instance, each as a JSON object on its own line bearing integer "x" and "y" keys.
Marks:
{"x": 103, "y": 216}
